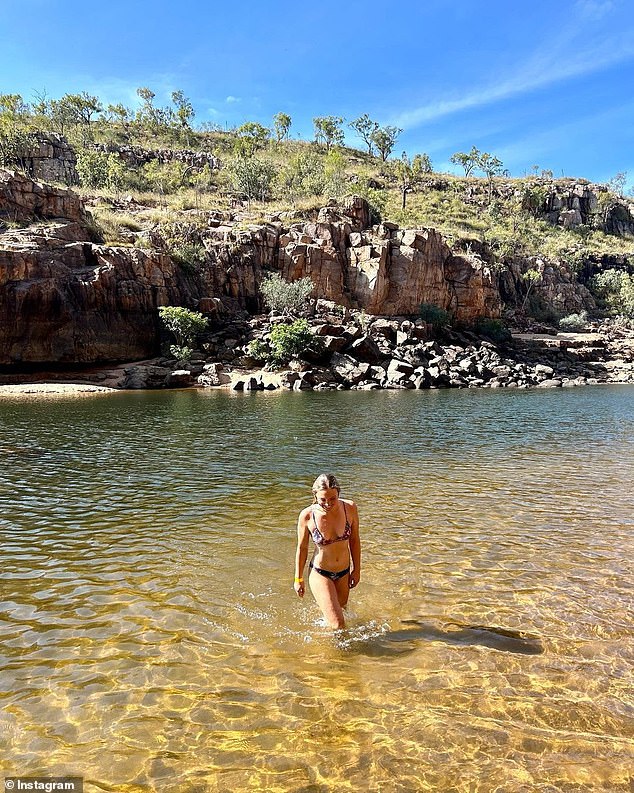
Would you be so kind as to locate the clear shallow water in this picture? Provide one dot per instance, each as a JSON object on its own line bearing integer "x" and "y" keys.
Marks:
{"x": 150, "y": 638}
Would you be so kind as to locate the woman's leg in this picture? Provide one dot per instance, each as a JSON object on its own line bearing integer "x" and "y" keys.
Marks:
{"x": 342, "y": 586}
{"x": 326, "y": 594}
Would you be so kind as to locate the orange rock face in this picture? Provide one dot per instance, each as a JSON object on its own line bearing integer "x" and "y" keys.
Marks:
{"x": 65, "y": 299}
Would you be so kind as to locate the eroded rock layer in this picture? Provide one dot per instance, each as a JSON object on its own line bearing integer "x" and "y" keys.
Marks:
{"x": 66, "y": 299}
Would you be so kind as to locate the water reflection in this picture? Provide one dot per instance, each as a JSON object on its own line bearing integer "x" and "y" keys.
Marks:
{"x": 150, "y": 638}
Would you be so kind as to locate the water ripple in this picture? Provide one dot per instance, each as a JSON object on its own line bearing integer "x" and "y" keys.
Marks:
{"x": 150, "y": 638}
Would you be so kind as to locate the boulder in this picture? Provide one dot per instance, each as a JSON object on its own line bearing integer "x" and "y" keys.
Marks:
{"x": 214, "y": 375}
{"x": 366, "y": 349}
{"x": 180, "y": 378}
{"x": 347, "y": 370}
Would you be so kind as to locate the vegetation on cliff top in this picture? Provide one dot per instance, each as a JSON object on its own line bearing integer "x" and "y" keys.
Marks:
{"x": 257, "y": 172}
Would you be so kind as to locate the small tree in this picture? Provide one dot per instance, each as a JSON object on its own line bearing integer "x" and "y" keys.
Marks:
{"x": 617, "y": 183}
{"x": 365, "y": 127}
{"x": 328, "y": 130}
{"x": 406, "y": 171}
{"x": 184, "y": 109}
{"x": 184, "y": 113}
{"x": 303, "y": 175}
{"x": 77, "y": 110}
{"x": 282, "y": 125}
{"x": 120, "y": 114}
{"x": 468, "y": 161}
{"x": 92, "y": 167}
{"x": 384, "y": 138}
{"x": 252, "y": 177}
{"x": 15, "y": 140}
{"x": 615, "y": 289}
{"x": 491, "y": 167}
{"x": 12, "y": 107}
{"x": 409, "y": 171}
{"x": 422, "y": 162}
{"x": 285, "y": 296}
{"x": 116, "y": 173}
{"x": 335, "y": 173}
{"x": 153, "y": 117}
{"x": 532, "y": 278}
{"x": 251, "y": 137}
{"x": 185, "y": 325}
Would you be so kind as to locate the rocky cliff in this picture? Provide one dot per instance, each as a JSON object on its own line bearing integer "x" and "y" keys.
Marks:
{"x": 64, "y": 298}
{"x": 51, "y": 159}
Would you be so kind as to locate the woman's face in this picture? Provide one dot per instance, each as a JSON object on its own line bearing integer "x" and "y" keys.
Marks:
{"x": 327, "y": 499}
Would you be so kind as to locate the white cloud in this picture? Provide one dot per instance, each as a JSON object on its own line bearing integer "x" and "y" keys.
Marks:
{"x": 594, "y": 9}
{"x": 557, "y": 61}
{"x": 232, "y": 99}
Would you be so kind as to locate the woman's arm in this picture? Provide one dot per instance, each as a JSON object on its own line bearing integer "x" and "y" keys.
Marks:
{"x": 355, "y": 547}
{"x": 301, "y": 554}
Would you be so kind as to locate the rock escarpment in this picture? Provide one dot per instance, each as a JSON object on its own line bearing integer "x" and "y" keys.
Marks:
{"x": 136, "y": 156}
{"x": 23, "y": 200}
{"x": 64, "y": 298}
{"x": 381, "y": 269}
{"x": 568, "y": 203}
{"x": 51, "y": 159}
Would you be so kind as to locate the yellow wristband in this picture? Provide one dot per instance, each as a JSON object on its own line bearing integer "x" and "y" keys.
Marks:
{"x": 299, "y": 580}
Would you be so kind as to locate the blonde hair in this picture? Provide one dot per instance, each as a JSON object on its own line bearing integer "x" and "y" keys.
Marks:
{"x": 325, "y": 482}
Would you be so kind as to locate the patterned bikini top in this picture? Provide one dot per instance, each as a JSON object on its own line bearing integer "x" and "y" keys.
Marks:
{"x": 318, "y": 537}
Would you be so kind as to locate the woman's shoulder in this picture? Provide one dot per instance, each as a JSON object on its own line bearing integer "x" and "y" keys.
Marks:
{"x": 306, "y": 513}
{"x": 349, "y": 503}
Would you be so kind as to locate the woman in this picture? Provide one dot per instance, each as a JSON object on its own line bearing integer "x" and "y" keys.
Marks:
{"x": 333, "y": 524}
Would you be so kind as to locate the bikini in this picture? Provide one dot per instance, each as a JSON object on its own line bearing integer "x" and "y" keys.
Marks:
{"x": 320, "y": 540}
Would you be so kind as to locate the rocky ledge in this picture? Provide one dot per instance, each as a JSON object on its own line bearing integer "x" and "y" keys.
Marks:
{"x": 363, "y": 352}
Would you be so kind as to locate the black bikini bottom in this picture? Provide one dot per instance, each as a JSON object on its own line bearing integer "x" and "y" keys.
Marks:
{"x": 329, "y": 573}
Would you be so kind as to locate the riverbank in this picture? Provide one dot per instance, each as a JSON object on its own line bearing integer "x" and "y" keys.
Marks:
{"x": 49, "y": 389}
{"x": 357, "y": 351}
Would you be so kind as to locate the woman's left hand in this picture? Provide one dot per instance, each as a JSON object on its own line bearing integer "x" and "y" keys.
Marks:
{"x": 355, "y": 577}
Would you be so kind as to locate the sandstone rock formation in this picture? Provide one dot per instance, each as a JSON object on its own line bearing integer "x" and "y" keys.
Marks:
{"x": 136, "y": 156}
{"x": 52, "y": 159}
{"x": 64, "y": 298}
{"x": 382, "y": 269}
{"x": 23, "y": 200}
{"x": 558, "y": 287}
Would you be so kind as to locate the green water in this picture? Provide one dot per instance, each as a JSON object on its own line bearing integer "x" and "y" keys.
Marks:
{"x": 150, "y": 638}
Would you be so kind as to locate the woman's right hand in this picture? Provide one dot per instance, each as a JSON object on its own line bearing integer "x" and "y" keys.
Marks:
{"x": 299, "y": 588}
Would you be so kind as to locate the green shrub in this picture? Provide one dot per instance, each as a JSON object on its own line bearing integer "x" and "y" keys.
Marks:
{"x": 190, "y": 254}
{"x": 435, "y": 315}
{"x": 259, "y": 350}
{"x": 252, "y": 177}
{"x": 181, "y": 353}
{"x": 185, "y": 325}
{"x": 615, "y": 289}
{"x": 15, "y": 144}
{"x": 101, "y": 169}
{"x": 493, "y": 329}
{"x": 285, "y": 296}
{"x": 304, "y": 175}
{"x": 92, "y": 167}
{"x": 290, "y": 341}
{"x": 574, "y": 321}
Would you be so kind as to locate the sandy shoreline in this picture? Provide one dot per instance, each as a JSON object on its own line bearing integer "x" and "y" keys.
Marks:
{"x": 53, "y": 389}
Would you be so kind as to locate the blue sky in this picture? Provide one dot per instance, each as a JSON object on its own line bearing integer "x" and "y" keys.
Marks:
{"x": 535, "y": 83}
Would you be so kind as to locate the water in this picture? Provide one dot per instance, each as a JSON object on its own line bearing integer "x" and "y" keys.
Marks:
{"x": 150, "y": 638}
